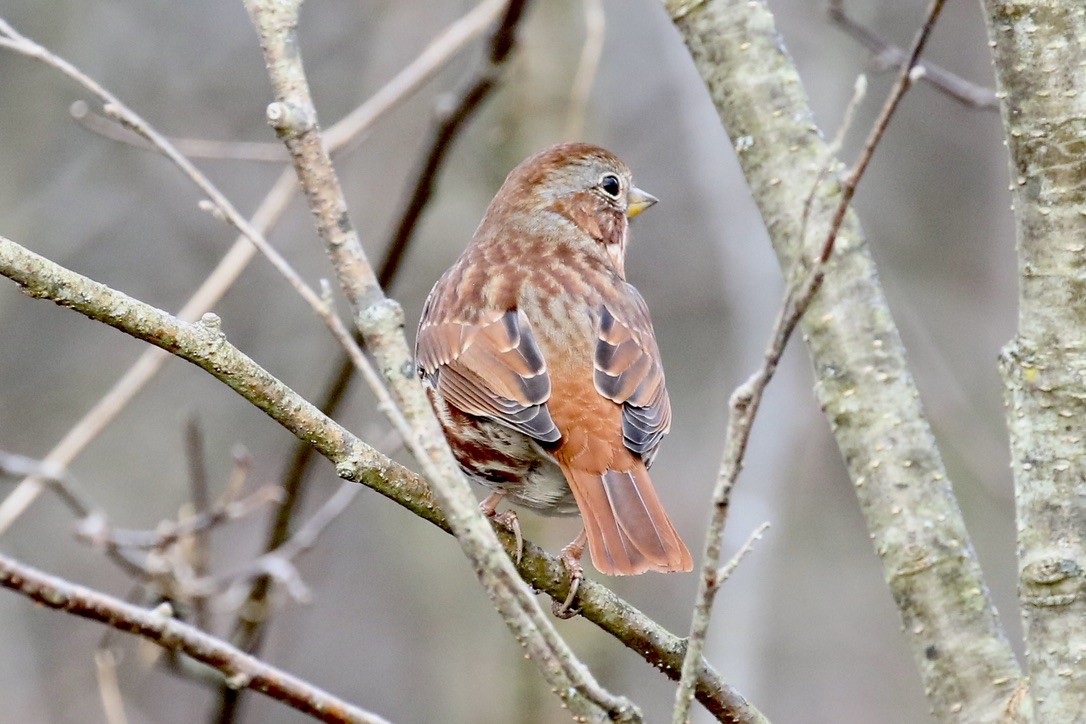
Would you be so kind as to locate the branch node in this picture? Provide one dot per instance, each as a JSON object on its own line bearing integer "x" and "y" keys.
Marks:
{"x": 210, "y": 207}
{"x": 347, "y": 471}
{"x": 212, "y": 323}
{"x": 289, "y": 119}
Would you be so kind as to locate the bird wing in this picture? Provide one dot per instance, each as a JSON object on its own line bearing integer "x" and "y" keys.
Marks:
{"x": 491, "y": 367}
{"x": 628, "y": 371}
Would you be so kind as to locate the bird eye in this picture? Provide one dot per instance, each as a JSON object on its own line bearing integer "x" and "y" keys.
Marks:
{"x": 610, "y": 185}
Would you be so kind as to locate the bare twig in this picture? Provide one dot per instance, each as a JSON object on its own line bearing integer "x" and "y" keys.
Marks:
{"x": 263, "y": 151}
{"x": 354, "y": 460}
{"x": 97, "y": 531}
{"x": 105, "y": 664}
{"x": 453, "y": 114}
{"x": 199, "y": 553}
{"x": 887, "y": 56}
{"x": 591, "y": 51}
{"x": 725, "y": 572}
{"x": 279, "y": 563}
{"x": 239, "y": 668}
{"x": 351, "y": 130}
{"x": 747, "y": 397}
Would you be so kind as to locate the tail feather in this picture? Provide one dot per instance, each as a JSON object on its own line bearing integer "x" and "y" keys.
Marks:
{"x": 628, "y": 530}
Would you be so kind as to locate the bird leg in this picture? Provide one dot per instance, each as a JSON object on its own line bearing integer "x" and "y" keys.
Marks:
{"x": 571, "y": 559}
{"x": 507, "y": 519}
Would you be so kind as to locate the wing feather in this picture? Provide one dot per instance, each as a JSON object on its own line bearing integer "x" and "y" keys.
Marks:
{"x": 628, "y": 371}
{"x": 491, "y": 368}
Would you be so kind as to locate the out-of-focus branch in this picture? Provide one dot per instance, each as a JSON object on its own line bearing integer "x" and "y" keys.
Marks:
{"x": 96, "y": 531}
{"x": 264, "y": 152}
{"x": 204, "y": 345}
{"x": 198, "y": 548}
{"x": 863, "y": 382}
{"x": 747, "y": 398}
{"x": 453, "y": 114}
{"x": 252, "y": 614}
{"x": 1039, "y": 51}
{"x": 352, "y": 128}
{"x": 887, "y": 55}
{"x": 279, "y": 564}
{"x": 595, "y": 23}
{"x": 239, "y": 668}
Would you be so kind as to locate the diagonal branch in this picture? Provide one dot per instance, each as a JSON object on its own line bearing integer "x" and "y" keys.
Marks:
{"x": 887, "y": 55}
{"x": 169, "y": 633}
{"x": 204, "y": 345}
{"x": 380, "y": 320}
{"x": 747, "y": 398}
{"x": 862, "y": 379}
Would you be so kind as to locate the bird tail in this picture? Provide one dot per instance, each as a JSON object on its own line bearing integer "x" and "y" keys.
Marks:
{"x": 628, "y": 530}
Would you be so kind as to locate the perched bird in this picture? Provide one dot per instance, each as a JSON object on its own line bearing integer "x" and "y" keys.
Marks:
{"x": 540, "y": 360}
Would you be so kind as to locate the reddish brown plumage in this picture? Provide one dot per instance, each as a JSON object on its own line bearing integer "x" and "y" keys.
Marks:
{"x": 541, "y": 362}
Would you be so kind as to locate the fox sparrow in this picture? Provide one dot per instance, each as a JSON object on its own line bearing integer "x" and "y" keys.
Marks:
{"x": 540, "y": 360}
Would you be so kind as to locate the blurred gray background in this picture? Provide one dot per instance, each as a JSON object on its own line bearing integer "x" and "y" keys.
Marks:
{"x": 805, "y": 628}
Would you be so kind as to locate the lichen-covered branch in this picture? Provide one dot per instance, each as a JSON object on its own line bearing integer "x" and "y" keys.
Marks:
{"x": 863, "y": 383}
{"x": 1039, "y": 49}
{"x": 204, "y": 344}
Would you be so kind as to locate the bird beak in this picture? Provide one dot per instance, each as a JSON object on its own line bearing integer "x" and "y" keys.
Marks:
{"x": 637, "y": 201}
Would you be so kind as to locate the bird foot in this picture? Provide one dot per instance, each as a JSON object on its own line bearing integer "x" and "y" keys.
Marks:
{"x": 507, "y": 519}
{"x": 571, "y": 559}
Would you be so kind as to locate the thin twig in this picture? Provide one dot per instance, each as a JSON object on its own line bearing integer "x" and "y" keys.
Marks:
{"x": 199, "y": 553}
{"x": 263, "y": 151}
{"x": 97, "y": 531}
{"x": 207, "y": 348}
{"x": 728, "y": 568}
{"x": 583, "y": 80}
{"x": 279, "y": 563}
{"x": 105, "y": 664}
{"x": 240, "y": 669}
{"x": 453, "y": 114}
{"x": 746, "y": 399}
{"x": 352, "y": 129}
{"x": 887, "y": 56}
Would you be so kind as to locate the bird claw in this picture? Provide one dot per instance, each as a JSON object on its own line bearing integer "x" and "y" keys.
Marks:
{"x": 571, "y": 560}
{"x": 508, "y": 520}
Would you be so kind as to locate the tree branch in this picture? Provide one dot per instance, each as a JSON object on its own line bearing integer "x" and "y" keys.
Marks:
{"x": 863, "y": 383}
{"x": 747, "y": 398}
{"x": 169, "y": 633}
{"x": 886, "y": 55}
{"x": 1039, "y": 49}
